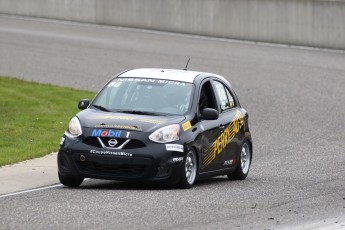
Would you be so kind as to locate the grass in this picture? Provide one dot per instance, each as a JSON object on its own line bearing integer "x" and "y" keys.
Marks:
{"x": 33, "y": 118}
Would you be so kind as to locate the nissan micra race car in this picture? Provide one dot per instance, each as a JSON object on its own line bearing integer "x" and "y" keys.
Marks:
{"x": 172, "y": 126}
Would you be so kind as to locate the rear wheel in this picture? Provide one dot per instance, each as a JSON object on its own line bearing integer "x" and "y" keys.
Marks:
{"x": 242, "y": 168}
{"x": 70, "y": 181}
{"x": 189, "y": 170}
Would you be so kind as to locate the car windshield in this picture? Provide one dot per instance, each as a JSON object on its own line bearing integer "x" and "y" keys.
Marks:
{"x": 145, "y": 96}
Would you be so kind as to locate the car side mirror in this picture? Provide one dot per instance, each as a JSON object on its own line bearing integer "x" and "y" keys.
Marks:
{"x": 83, "y": 104}
{"x": 210, "y": 114}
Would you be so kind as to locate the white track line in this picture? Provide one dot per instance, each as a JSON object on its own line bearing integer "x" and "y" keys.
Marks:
{"x": 35, "y": 189}
{"x": 31, "y": 190}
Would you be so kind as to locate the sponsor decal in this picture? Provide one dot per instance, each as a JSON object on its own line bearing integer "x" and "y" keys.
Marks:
{"x": 107, "y": 152}
{"x": 186, "y": 126}
{"x": 114, "y": 117}
{"x": 171, "y": 82}
{"x": 114, "y": 84}
{"x": 116, "y": 81}
{"x": 177, "y": 159}
{"x": 229, "y": 162}
{"x": 151, "y": 121}
{"x": 174, "y": 147}
{"x": 106, "y": 133}
{"x": 126, "y": 118}
{"x": 224, "y": 139}
{"x": 125, "y": 127}
{"x": 136, "y": 80}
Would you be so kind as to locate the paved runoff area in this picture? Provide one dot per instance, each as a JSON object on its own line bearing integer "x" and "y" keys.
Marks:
{"x": 29, "y": 174}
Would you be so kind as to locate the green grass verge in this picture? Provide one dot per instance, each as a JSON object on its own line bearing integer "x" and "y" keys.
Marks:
{"x": 33, "y": 118}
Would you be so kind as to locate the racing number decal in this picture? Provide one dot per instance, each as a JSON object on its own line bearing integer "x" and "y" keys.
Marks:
{"x": 224, "y": 139}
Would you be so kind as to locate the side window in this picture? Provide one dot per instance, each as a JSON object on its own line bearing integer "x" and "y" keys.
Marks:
{"x": 226, "y": 100}
{"x": 231, "y": 99}
{"x": 206, "y": 99}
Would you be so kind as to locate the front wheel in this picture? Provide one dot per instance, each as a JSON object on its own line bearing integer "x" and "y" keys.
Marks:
{"x": 70, "y": 181}
{"x": 242, "y": 168}
{"x": 190, "y": 170}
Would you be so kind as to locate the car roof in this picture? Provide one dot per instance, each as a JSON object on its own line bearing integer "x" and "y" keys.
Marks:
{"x": 165, "y": 74}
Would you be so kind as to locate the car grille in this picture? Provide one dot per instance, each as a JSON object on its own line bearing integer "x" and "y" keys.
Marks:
{"x": 132, "y": 144}
{"x": 93, "y": 141}
{"x": 118, "y": 169}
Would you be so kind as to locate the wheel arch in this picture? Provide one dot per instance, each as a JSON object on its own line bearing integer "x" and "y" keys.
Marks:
{"x": 250, "y": 145}
{"x": 198, "y": 158}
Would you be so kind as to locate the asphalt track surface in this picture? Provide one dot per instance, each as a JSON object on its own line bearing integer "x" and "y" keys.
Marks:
{"x": 295, "y": 99}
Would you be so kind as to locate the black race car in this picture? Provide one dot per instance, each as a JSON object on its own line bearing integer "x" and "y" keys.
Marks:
{"x": 173, "y": 126}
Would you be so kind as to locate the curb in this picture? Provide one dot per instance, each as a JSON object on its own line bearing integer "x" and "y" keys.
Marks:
{"x": 29, "y": 174}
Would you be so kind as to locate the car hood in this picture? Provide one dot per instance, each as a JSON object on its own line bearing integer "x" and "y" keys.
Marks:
{"x": 90, "y": 118}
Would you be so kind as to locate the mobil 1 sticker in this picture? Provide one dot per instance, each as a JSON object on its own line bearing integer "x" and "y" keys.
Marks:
{"x": 110, "y": 133}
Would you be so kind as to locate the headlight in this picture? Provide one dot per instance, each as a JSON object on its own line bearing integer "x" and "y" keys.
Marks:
{"x": 74, "y": 127}
{"x": 166, "y": 134}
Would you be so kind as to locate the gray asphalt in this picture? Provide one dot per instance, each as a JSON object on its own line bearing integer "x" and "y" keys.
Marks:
{"x": 294, "y": 98}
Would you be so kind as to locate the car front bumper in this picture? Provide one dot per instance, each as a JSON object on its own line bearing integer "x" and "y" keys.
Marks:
{"x": 152, "y": 162}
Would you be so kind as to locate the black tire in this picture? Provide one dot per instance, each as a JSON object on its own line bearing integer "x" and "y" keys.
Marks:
{"x": 69, "y": 181}
{"x": 243, "y": 163}
{"x": 190, "y": 170}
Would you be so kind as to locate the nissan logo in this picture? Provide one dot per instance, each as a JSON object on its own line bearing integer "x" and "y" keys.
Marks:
{"x": 112, "y": 142}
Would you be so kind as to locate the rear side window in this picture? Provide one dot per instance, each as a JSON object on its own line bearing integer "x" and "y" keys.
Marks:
{"x": 231, "y": 99}
{"x": 224, "y": 95}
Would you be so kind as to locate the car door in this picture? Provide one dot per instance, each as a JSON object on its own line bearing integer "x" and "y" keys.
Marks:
{"x": 229, "y": 141}
{"x": 210, "y": 130}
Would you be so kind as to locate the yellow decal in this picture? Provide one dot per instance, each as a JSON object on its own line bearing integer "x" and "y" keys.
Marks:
{"x": 186, "y": 126}
{"x": 152, "y": 121}
{"x": 126, "y": 127}
{"x": 224, "y": 139}
{"x": 129, "y": 119}
{"x": 114, "y": 117}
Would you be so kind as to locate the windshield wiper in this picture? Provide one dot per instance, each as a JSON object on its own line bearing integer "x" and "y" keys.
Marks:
{"x": 101, "y": 108}
{"x": 138, "y": 112}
